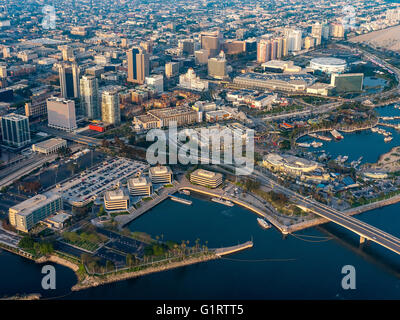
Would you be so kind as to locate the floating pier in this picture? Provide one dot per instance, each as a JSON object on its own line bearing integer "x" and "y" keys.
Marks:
{"x": 181, "y": 200}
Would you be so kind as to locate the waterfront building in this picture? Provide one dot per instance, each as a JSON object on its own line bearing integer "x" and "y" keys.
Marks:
{"x": 348, "y": 82}
{"x": 58, "y": 221}
{"x": 217, "y": 67}
{"x": 289, "y": 164}
{"x": 116, "y": 200}
{"x": 25, "y": 215}
{"x": 138, "y": 65}
{"x": 160, "y": 175}
{"x": 140, "y": 186}
{"x": 61, "y": 114}
{"x": 90, "y": 101}
{"x": 15, "y": 130}
{"x": 49, "y": 146}
{"x": 206, "y": 178}
{"x": 110, "y": 110}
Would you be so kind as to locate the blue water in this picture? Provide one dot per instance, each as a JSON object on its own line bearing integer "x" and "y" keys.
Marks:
{"x": 370, "y": 145}
{"x": 299, "y": 269}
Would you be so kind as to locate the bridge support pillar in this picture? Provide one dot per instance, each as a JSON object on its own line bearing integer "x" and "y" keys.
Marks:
{"x": 362, "y": 240}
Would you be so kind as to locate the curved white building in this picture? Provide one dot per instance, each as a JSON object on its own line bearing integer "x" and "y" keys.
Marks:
{"x": 328, "y": 65}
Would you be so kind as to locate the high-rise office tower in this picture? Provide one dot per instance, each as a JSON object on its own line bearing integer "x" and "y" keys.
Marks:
{"x": 69, "y": 81}
{"x": 309, "y": 42}
{"x": 156, "y": 81}
{"x": 67, "y": 53}
{"x": 317, "y": 33}
{"x": 212, "y": 42}
{"x": 61, "y": 114}
{"x": 337, "y": 30}
{"x": 15, "y": 130}
{"x": 90, "y": 102}
{"x": 263, "y": 51}
{"x": 171, "y": 69}
{"x": 3, "y": 72}
{"x": 110, "y": 112}
{"x": 138, "y": 65}
{"x": 274, "y": 49}
{"x": 217, "y": 67}
{"x": 326, "y": 29}
{"x": 6, "y": 52}
{"x": 147, "y": 46}
{"x": 294, "y": 38}
{"x": 187, "y": 46}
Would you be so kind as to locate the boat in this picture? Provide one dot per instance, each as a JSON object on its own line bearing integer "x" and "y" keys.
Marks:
{"x": 336, "y": 134}
{"x": 222, "y": 201}
{"x": 303, "y": 144}
{"x": 185, "y": 192}
{"x": 388, "y": 139}
{"x": 263, "y": 223}
{"x": 316, "y": 144}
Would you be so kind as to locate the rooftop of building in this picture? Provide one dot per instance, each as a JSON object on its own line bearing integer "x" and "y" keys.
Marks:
{"x": 206, "y": 174}
{"x": 160, "y": 170}
{"x": 114, "y": 195}
{"x": 49, "y": 143}
{"x": 28, "y": 206}
{"x": 139, "y": 182}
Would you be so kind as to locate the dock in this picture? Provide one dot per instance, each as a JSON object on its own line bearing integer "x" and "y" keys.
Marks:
{"x": 229, "y": 250}
{"x": 180, "y": 200}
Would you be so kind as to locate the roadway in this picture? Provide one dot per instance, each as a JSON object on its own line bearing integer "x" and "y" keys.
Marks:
{"x": 71, "y": 136}
{"x": 364, "y": 230}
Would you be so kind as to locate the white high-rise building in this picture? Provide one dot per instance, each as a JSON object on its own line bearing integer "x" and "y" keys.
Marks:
{"x": 294, "y": 38}
{"x": 156, "y": 81}
{"x": 192, "y": 82}
{"x": 61, "y": 114}
{"x": 90, "y": 101}
{"x": 110, "y": 112}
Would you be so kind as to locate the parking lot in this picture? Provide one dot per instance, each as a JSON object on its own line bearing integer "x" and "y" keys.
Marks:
{"x": 94, "y": 182}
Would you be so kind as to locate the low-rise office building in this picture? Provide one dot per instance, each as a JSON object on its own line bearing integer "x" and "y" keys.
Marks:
{"x": 206, "y": 178}
{"x": 160, "y": 174}
{"x": 49, "y": 146}
{"x": 140, "y": 186}
{"x": 25, "y": 215}
{"x": 116, "y": 200}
